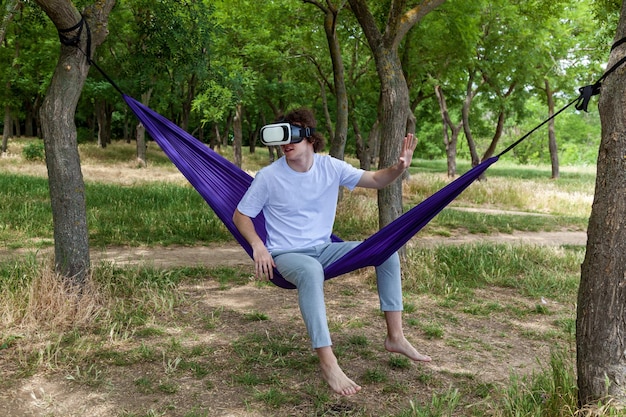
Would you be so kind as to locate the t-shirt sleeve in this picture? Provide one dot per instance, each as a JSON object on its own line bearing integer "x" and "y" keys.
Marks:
{"x": 350, "y": 175}
{"x": 255, "y": 197}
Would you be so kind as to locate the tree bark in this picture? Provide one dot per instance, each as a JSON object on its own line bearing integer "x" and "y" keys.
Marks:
{"x": 7, "y": 132}
{"x": 103, "y": 115}
{"x": 141, "y": 147}
{"x": 238, "y": 135}
{"x": 67, "y": 188}
{"x": 601, "y": 315}
{"x": 394, "y": 110}
{"x": 140, "y": 134}
{"x": 373, "y": 143}
{"x": 553, "y": 148}
{"x": 450, "y": 139}
{"x": 465, "y": 111}
{"x": 362, "y": 149}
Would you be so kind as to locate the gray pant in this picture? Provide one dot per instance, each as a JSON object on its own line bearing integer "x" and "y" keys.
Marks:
{"x": 305, "y": 269}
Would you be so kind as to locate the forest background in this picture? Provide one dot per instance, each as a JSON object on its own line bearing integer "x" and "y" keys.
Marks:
{"x": 484, "y": 71}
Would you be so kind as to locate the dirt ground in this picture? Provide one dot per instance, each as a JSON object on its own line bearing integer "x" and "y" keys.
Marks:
{"x": 232, "y": 254}
{"x": 483, "y": 350}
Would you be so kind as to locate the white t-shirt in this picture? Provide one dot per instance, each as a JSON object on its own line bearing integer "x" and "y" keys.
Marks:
{"x": 299, "y": 207}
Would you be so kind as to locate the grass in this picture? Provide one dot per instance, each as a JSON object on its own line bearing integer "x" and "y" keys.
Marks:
{"x": 117, "y": 215}
{"x": 133, "y": 315}
{"x": 122, "y": 214}
{"x": 141, "y": 332}
{"x": 455, "y": 271}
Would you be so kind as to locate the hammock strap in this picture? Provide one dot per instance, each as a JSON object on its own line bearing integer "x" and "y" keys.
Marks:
{"x": 75, "y": 42}
{"x": 582, "y": 101}
{"x": 588, "y": 91}
{"x": 517, "y": 142}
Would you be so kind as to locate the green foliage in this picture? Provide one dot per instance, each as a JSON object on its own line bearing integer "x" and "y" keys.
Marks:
{"x": 34, "y": 151}
{"x": 195, "y": 62}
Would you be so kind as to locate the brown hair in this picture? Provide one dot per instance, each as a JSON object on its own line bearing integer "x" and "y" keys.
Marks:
{"x": 304, "y": 117}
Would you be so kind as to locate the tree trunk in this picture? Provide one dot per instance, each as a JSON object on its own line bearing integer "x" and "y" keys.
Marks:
{"x": 327, "y": 119}
{"x": 394, "y": 110}
{"x": 188, "y": 102}
{"x": 253, "y": 124}
{"x": 451, "y": 139}
{"x": 601, "y": 320}
{"x": 227, "y": 127}
{"x": 465, "y": 110}
{"x": 7, "y": 131}
{"x": 30, "y": 118}
{"x": 67, "y": 188}
{"x": 373, "y": 143}
{"x": 338, "y": 144}
{"x": 237, "y": 135}
{"x": 394, "y": 116}
{"x": 554, "y": 150}
{"x": 362, "y": 149}
{"x": 103, "y": 116}
{"x": 140, "y": 134}
{"x": 141, "y": 147}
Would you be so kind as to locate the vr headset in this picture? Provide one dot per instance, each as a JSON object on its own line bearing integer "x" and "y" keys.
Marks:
{"x": 284, "y": 133}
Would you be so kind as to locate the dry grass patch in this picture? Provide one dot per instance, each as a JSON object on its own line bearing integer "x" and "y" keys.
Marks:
{"x": 50, "y": 302}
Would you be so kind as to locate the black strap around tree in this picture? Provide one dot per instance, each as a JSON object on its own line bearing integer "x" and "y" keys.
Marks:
{"x": 75, "y": 41}
{"x": 588, "y": 91}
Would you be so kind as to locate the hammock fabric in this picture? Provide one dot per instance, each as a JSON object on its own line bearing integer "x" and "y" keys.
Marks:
{"x": 222, "y": 184}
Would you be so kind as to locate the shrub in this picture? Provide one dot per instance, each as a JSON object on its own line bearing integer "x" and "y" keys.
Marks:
{"x": 34, "y": 151}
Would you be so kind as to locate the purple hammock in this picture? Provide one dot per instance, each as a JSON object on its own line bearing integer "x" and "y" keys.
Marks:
{"x": 222, "y": 184}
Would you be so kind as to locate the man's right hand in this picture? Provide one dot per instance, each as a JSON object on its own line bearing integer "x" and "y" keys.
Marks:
{"x": 263, "y": 263}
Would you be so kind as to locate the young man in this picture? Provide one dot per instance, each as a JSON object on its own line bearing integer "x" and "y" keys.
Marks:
{"x": 298, "y": 197}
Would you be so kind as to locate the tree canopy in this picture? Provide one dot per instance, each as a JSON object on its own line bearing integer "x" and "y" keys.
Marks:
{"x": 198, "y": 61}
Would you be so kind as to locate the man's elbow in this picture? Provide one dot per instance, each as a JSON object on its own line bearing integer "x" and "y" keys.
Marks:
{"x": 236, "y": 216}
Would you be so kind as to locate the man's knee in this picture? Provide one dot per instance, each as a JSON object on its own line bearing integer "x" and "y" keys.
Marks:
{"x": 300, "y": 270}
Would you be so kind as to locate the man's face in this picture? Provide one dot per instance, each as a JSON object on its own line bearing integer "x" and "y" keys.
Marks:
{"x": 293, "y": 150}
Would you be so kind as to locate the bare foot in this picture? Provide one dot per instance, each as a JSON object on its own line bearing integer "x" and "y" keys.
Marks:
{"x": 405, "y": 348}
{"x": 338, "y": 381}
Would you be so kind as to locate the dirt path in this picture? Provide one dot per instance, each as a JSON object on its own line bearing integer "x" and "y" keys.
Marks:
{"x": 231, "y": 254}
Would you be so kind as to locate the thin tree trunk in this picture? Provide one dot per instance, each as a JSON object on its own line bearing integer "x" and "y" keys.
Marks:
{"x": 552, "y": 146}
{"x": 450, "y": 140}
{"x": 338, "y": 144}
{"x": 327, "y": 119}
{"x": 465, "y": 111}
{"x": 237, "y": 135}
{"x": 101, "y": 116}
{"x": 141, "y": 147}
{"x": 140, "y": 135}
{"x": 7, "y": 132}
{"x": 216, "y": 141}
{"x": 373, "y": 142}
{"x": 362, "y": 149}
